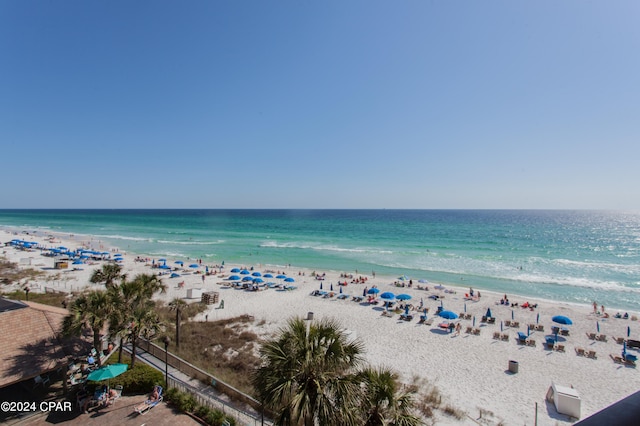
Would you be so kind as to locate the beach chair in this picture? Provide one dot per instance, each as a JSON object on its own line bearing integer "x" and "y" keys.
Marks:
{"x": 483, "y": 319}
{"x": 429, "y": 321}
{"x": 507, "y": 323}
{"x": 496, "y": 335}
{"x": 550, "y": 342}
{"x": 591, "y": 336}
{"x": 559, "y": 348}
{"x": 540, "y": 327}
{"x": 504, "y": 337}
{"x": 619, "y": 340}
{"x": 580, "y": 352}
{"x": 118, "y": 390}
{"x": 476, "y": 331}
{"x": 491, "y": 320}
{"x": 617, "y": 359}
{"x": 469, "y": 330}
{"x": 564, "y": 332}
{"x": 591, "y": 354}
{"x": 531, "y": 342}
{"x": 468, "y": 316}
{"x": 522, "y": 338}
{"x": 148, "y": 404}
{"x": 601, "y": 337}
{"x": 515, "y": 324}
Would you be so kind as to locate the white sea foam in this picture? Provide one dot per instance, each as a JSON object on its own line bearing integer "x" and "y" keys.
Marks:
{"x": 124, "y": 237}
{"x": 192, "y": 243}
{"x": 318, "y": 246}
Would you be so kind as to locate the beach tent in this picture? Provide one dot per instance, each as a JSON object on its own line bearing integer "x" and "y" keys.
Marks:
{"x": 565, "y": 399}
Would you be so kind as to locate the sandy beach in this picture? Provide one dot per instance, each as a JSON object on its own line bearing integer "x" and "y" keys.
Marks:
{"x": 471, "y": 370}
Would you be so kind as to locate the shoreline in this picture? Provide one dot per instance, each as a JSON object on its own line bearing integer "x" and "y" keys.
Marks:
{"x": 471, "y": 371}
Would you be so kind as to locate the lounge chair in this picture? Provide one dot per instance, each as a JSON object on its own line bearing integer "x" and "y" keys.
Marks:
{"x": 429, "y": 321}
{"x": 619, "y": 340}
{"x": 476, "y": 331}
{"x": 601, "y": 337}
{"x": 591, "y": 354}
{"x": 540, "y": 327}
{"x": 484, "y": 319}
{"x": 591, "y": 336}
{"x": 515, "y": 324}
{"x": 559, "y": 348}
{"x": 564, "y": 332}
{"x": 491, "y": 320}
{"x": 118, "y": 390}
{"x": 469, "y": 330}
{"x": 550, "y": 342}
{"x": 522, "y": 338}
{"x": 531, "y": 342}
{"x": 580, "y": 352}
{"x": 507, "y": 323}
{"x": 148, "y": 404}
{"x": 496, "y": 335}
{"x": 505, "y": 337}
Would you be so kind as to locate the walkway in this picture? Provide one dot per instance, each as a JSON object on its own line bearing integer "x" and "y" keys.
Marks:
{"x": 243, "y": 414}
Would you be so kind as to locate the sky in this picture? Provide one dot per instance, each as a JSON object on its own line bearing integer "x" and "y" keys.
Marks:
{"x": 421, "y": 104}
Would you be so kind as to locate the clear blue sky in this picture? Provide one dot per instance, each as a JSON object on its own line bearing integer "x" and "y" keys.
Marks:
{"x": 314, "y": 104}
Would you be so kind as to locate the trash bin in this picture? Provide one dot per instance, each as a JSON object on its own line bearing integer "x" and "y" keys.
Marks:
{"x": 309, "y": 315}
{"x": 513, "y": 366}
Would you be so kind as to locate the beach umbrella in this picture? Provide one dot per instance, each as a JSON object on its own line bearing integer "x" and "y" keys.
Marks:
{"x": 179, "y": 262}
{"x": 206, "y": 269}
{"x": 107, "y": 372}
{"x": 406, "y": 310}
{"x": 163, "y": 266}
{"x": 60, "y": 247}
{"x": 247, "y": 279}
{"x": 268, "y": 276}
{"x": 403, "y": 297}
{"x": 465, "y": 307}
{"x": 624, "y": 349}
{"x": 258, "y": 280}
{"x": 598, "y": 326}
{"x": 289, "y": 280}
{"x": 488, "y": 314}
{"x": 235, "y": 270}
{"x": 423, "y": 281}
{"x": 331, "y": 286}
{"x": 528, "y": 330}
{"x": 561, "y": 319}
{"x": 119, "y": 255}
{"x": 373, "y": 290}
{"x": 281, "y": 277}
{"x": 474, "y": 320}
{"x": 538, "y": 318}
{"x": 234, "y": 278}
{"x": 364, "y": 292}
{"x": 628, "y": 331}
{"x": 512, "y": 314}
{"x": 340, "y": 290}
{"x": 448, "y": 315}
{"x": 257, "y": 274}
{"x": 500, "y": 325}
{"x": 119, "y": 259}
{"x": 244, "y": 272}
{"x": 194, "y": 265}
{"x": 77, "y": 262}
{"x": 162, "y": 259}
{"x": 320, "y": 285}
{"x": 387, "y": 295}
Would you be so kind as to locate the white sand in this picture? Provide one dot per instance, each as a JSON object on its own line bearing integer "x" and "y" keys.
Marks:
{"x": 470, "y": 371}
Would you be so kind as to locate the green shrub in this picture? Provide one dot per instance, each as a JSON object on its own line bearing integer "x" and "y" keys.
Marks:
{"x": 202, "y": 412}
{"x": 215, "y": 418}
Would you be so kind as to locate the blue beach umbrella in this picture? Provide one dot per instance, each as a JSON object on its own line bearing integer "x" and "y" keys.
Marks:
{"x": 331, "y": 286}
{"x": 320, "y": 285}
{"x": 162, "y": 259}
{"x": 340, "y": 289}
{"x": 281, "y": 277}
{"x": 488, "y": 314}
{"x": 194, "y": 265}
{"x": 179, "y": 262}
{"x": 500, "y": 325}
{"x": 448, "y": 315}
{"x": 512, "y": 314}
{"x": 165, "y": 266}
{"x": 403, "y": 297}
{"x": 289, "y": 280}
{"x": 107, "y": 372}
{"x": 465, "y": 307}
{"x": 247, "y": 279}
{"x": 77, "y": 262}
{"x": 234, "y": 278}
{"x": 598, "y": 326}
{"x": 538, "y": 318}
{"x": 268, "y": 276}
{"x": 244, "y": 272}
{"x": 257, "y": 274}
{"x": 406, "y": 310}
{"x": 373, "y": 290}
{"x": 387, "y": 295}
{"x": 528, "y": 330}
{"x": 561, "y": 319}
{"x": 474, "y": 320}
{"x": 258, "y": 280}
{"x": 235, "y": 270}
{"x": 628, "y": 331}
{"x": 119, "y": 259}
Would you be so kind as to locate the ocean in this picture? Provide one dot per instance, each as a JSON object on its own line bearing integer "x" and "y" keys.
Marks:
{"x": 568, "y": 256}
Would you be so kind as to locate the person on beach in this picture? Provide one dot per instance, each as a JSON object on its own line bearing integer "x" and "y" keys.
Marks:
{"x": 595, "y": 307}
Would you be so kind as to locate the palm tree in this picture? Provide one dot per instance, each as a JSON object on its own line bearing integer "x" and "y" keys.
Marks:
{"x": 178, "y": 305}
{"x": 136, "y": 315}
{"x": 109, "y": 274}
{"x": 306, "y": 374}
{"x": 384, "y": 401}
{"x": 92, "y": 310}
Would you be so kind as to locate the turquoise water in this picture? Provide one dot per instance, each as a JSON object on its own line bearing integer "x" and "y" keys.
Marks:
{"x": 570, "y": 256}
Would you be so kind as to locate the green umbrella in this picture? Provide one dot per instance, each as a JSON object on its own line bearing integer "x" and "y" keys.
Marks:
{"x": 107, "y": 372}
